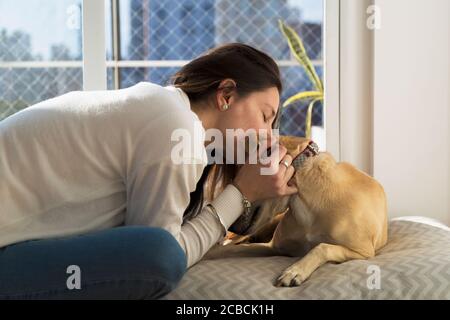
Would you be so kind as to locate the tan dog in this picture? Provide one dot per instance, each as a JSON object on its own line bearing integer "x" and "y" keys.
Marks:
{"x": 339, "y": 214}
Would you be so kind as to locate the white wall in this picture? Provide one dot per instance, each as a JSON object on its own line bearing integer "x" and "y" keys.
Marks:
{"x": 356, "y": 87}
{"x": 411, "y": 107}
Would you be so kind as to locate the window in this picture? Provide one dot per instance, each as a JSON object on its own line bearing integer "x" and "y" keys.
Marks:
{"x": 158, "y": 37}
{"x": 149, "y": 40}
{"x": 40, "y": 51}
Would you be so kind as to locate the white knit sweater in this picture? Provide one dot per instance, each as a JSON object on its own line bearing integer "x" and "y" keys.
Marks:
{"x": 88, "y": 161}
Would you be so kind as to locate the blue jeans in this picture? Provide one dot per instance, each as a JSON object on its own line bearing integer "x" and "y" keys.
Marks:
{"x": 129, "y": 262}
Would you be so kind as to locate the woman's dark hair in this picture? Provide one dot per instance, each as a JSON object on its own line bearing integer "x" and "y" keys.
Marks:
{"x": 252, "y": 70}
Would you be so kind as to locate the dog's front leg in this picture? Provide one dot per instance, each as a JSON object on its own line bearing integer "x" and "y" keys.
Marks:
{"x": 322, "y": 253}
{"x": 241, "y": 250}
{"x": 262, "y": 234}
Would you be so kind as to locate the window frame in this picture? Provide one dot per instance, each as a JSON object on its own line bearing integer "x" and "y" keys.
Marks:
{"x": 94, "y": 45}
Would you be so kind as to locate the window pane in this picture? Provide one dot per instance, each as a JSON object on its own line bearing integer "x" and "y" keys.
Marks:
{"x": 34, "y": 35}
{"x": 22, "y": 87}
{"x": 40, "y": 30}
{"x": 293, "y": 117}
{"x": 181, "y": 30}
{"x": 161, "y": 75}
{"x": 165, "y": 30}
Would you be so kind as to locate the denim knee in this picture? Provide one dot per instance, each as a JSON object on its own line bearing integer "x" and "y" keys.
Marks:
{"x": 160, "y": 250}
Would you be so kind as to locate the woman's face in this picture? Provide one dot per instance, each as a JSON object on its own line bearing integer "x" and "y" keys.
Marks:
{"x": 255, "y": 111}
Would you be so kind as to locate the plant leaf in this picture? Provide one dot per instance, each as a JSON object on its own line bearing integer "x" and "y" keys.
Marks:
{"x": 301, "y": 96}
{"x": 309, "y": 117}
{"x": 298, "y": 49}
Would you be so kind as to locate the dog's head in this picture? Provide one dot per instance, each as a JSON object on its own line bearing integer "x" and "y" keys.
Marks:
{"x": 308, "y": 163}
{"x": 313, "y": 168}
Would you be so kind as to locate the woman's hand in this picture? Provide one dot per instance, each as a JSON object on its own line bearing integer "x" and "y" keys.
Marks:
{"x": 256, "y": 186}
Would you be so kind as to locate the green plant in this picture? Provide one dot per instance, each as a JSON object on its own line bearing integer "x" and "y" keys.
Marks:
{"x": 299, "y": 52}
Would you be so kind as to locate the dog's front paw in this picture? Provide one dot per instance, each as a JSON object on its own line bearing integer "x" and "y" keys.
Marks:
{"x": 291, "y": 277}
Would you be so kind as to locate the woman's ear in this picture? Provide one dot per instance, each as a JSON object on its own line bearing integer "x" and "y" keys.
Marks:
{"x": 225, "y": 91}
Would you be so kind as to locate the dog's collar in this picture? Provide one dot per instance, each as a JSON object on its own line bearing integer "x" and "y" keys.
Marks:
{"x": 311, "y": 150}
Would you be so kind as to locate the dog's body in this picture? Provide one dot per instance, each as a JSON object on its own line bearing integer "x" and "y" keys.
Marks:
{"x": 339, "y": 214}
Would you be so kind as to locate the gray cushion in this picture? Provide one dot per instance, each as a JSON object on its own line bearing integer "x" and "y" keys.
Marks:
{"x": 415, "y": 264}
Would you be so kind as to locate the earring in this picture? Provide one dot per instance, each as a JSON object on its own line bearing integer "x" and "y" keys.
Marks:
{"x": 225, "y": 106}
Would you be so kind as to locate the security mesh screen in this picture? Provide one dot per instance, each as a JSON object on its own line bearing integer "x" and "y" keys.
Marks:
{"x": 40, "y": 51}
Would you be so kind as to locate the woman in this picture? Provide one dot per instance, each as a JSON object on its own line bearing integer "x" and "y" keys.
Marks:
{"x": 92, "y": 203}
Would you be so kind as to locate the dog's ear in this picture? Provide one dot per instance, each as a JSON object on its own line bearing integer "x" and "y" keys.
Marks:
{"x": 325, "y": 163}
{"x": 323, "y": 166}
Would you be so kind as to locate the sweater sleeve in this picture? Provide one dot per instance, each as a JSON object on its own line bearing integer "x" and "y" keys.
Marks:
{"x": 158, "y": 194}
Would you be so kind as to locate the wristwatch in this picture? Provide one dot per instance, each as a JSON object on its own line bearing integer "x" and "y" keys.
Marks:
{"x": 247, "y": 205}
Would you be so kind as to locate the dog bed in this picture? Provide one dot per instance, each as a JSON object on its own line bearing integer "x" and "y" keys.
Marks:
{"x": 415, "y": 264}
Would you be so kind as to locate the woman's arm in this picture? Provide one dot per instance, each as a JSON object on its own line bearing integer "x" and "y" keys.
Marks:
{"x": 198, "y": 235}
{"x": 158, "y": 194}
